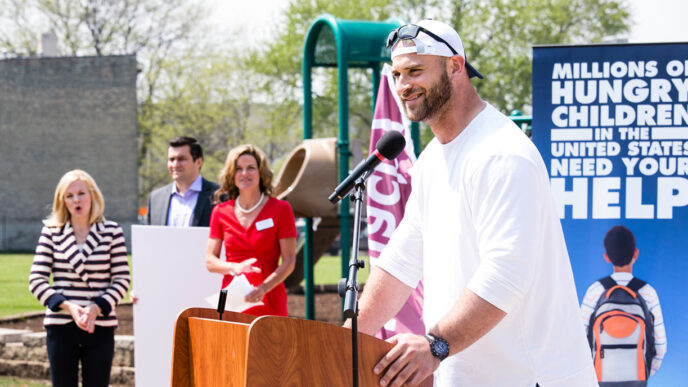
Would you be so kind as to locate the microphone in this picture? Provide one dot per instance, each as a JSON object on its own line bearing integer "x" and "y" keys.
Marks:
{"x": 389, "y": 146}
{"x": 221, "y": 302}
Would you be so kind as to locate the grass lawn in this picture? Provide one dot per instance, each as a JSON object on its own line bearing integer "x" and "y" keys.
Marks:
{"x": 9, "y": 381}
{"x": 16, "y": 298}
{"x": 328, "y": 270}
{"x": 14, "y": 285}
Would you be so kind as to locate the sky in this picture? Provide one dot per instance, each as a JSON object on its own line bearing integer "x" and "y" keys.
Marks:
{"x": 659, "y": 21}
{"x": 654, "y": 20}
{"x": 252, "y": 18}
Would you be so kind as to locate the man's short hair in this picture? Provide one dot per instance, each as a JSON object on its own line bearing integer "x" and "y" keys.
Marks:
{"x": 196, "y": 149}
{"x": 619, "y": 243}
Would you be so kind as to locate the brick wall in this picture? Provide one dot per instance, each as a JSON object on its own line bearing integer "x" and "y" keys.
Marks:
{"x": 58, "y": 114}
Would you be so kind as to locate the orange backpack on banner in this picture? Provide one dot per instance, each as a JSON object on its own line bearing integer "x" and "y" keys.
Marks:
{"x": 620, "y": 334}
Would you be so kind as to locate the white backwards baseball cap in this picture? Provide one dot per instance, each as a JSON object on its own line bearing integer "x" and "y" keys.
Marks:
{"x": 430, "y": 37}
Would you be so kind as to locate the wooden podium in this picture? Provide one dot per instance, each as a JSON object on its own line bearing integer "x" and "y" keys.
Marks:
{"x": 243, "y": 350}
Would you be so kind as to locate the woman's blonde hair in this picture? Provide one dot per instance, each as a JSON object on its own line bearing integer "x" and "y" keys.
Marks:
{"x": 228, "y": 190}
{"x": 60, "y": 214}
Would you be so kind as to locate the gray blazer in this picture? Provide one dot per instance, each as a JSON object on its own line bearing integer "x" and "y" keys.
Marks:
{"x": 159, "y": 205}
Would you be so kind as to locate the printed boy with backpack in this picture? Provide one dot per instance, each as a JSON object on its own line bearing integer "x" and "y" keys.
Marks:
{"x": 623, "y": 318}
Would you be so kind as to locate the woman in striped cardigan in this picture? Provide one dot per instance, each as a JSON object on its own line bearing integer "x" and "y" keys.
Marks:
{"x": 87, "y": 258}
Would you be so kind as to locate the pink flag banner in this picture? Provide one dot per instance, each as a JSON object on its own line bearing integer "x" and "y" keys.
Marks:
{"x": 388, "y": 190}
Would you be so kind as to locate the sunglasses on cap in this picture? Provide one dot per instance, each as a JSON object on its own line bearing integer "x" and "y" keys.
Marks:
{"x": 410, "y": 31}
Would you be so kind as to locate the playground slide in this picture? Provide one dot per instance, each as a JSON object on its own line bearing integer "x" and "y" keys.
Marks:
{"x": 307, "y": 178}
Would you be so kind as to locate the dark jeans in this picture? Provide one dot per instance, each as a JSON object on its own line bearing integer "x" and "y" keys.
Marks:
{"x": 68, "y": 344}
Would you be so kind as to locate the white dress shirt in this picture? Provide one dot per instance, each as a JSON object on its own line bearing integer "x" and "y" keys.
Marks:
{"x": 182, "y": 207}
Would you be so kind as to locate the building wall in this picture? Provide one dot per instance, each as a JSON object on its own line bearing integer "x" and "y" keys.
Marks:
{"x": 58, "y": 114}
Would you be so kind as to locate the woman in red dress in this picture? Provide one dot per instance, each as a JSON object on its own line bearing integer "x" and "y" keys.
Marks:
{"x": 256, "y": 230}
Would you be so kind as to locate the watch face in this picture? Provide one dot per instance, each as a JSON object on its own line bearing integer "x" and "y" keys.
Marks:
{"x": 438, "y": 346}
{"x": 441, "y": 348}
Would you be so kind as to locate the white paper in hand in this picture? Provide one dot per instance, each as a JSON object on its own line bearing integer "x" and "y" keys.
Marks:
{"x": 236, "y": 291}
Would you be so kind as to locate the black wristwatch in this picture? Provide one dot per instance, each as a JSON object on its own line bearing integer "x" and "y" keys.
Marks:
{"x": 438, "y": 346}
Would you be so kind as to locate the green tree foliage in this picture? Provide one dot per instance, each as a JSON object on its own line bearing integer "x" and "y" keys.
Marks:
{"x": 188, "y": 84}
{"x": 498, "y": 36}
{"x": 211, "y": 98}
{"x": 191, "y": 85}
{"x": 155, "y": 30}
{"x": 279, "y": 64}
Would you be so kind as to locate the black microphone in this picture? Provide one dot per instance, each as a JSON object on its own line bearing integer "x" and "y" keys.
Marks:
{"x": 389, "y": 146}
{"x": 221, "y": 302}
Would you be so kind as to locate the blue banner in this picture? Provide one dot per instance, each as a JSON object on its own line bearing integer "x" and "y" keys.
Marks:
{"x": 611, "y": 123}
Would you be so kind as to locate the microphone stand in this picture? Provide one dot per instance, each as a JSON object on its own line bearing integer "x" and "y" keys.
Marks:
{"x": 348, "y": 289}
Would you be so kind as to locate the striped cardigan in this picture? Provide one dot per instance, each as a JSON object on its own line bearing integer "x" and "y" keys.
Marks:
{"x": 99, "y": 273}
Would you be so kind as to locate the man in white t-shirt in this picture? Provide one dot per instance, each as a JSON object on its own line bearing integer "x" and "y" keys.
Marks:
{"x": 482, "y": 231}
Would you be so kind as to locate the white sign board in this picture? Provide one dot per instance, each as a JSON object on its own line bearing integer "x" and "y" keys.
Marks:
{"x": 169, "y": 275}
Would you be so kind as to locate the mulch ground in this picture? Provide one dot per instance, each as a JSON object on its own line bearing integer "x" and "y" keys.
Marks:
{"x": 328, "y": 308}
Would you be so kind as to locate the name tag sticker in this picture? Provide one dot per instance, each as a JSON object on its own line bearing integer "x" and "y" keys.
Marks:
{"x": 264, "y": 224}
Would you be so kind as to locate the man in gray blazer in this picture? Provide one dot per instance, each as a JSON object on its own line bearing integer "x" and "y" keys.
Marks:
{"x": 187, "y": 201}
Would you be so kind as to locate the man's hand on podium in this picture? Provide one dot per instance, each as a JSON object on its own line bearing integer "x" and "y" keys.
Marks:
{"x": 409, "y": 361}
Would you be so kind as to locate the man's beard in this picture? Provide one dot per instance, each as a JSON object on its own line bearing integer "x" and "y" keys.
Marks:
{"x": 435, "y": 99}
